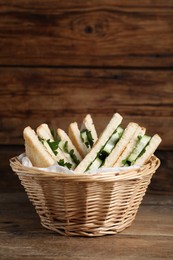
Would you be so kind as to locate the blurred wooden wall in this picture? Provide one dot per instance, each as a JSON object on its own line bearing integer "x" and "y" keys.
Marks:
{"x": 60, "y": 60}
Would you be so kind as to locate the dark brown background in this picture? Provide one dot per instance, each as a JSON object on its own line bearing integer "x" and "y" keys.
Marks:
{"x": 62, "y": 59}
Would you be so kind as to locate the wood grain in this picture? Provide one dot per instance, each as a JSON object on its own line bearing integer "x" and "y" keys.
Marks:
{"x": 92, "y": 33}
{"x": 60, "y": 96}
{"x": 23, "y": 236}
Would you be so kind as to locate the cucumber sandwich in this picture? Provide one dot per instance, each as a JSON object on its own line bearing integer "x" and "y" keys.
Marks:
{"x": 59, "y": 146}
{"x": 45, "y": 149}
{"x": 143, "y": 150}
{"x": 139, "y": 150}
{"x": 120, "y": 147}
{"x": 35, "y": 150}
{"x": 109, "y": 146}
{"x": 82, "y": 151}
{"x": 85, "y": 138}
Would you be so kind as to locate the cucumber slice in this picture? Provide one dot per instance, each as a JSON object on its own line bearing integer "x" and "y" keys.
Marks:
{"x": 84, "y": 136}
{"x": 48, "y": 148}
{"x": 139, "y": 147}
{"x": 113, "y": 140}
{"x": 95, "y": 164}
{"x": 61, "y": 145}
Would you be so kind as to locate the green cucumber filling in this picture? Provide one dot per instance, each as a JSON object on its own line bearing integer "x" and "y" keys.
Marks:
{"x": 52, "y": 148}
{"x": 87, "y": 138}
{"x": 64, "y": 147}
{"x": 95, "y": 164}
{"x": 106, "y": 149}
{"x": 138, "y": 151}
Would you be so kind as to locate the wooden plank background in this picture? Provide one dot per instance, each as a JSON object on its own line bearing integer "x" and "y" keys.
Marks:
{"x": 62, "y": 59}
{"x": 86, "y": 33}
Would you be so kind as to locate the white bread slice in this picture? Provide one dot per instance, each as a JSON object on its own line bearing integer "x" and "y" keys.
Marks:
{"x": 111, "y": 127}
{"x": 140, "y": 131}
{"x": 74, "y": 134}
{"x": 150, "y": 149}
{"x": 88, "y": 124}
{"x": 64, "y": 137}
{"x": 35, "y": 150}
{"x": 120, "y": 146}
{"x": 44, "y": 132}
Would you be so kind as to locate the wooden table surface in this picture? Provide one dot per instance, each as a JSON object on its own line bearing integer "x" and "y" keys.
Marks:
{"x": 23, "y": 237}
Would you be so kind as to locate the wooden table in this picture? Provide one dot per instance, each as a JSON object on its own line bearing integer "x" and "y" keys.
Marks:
{"x": 23, "y": 237}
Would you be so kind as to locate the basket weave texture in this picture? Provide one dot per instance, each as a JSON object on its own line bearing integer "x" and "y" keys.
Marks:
{"x": 86, "y": 205}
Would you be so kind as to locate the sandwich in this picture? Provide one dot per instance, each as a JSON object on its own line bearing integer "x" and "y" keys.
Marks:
{"x": 122, "y": 160}
{"x": 68, "y": 147}
{"x": 85, "y": 137}
{"x": 120, "y": 147}
{"x": 116, "y": 146}
{"x": 59, "y": 145}
{"x": 35, "y": 150}
{"x": 143, "y": 149}
{"x": 103, "y": 147}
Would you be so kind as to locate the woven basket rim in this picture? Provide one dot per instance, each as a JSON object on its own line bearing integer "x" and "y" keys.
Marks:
{"x": 129, "y": 174}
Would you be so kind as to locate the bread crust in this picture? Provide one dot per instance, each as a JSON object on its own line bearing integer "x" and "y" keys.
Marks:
{"x": 121, "y": 145}
{"x": 88, "y": 124}
{"x": 74, "y": 134}
{"x": 35, "y": 150}
{"x": 44, "y": 132}
{"x": 150, "y": 149}
{"x": 140, "y": 131}
{"x": 63, "y": 136}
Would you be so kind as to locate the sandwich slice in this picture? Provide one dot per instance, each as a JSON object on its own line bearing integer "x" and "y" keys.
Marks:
{"x": 143, "y": 150}
{"x": 122, "y": 143}
{"x": 68, "y": 147}
{"x": 140, "y": 131}
{"x": 105, "y": 143}
{"x": 35, "y": 150}
{"x": 85, "y": 137}
{"x": 59, "y": 146}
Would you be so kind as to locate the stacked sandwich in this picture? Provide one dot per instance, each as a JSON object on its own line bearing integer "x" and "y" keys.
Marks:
{"x": 81, "y": 150}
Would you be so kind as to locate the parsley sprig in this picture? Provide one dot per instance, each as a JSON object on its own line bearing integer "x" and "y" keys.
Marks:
{"x": 61, "y": 162}
{"x": 90, "y": 141}
{"x": 54, "y": 145}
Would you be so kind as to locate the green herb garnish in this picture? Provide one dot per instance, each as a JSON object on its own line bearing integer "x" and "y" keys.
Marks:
{"x": 54, "y": 145}
{"x": 90, "y": 141}
{"x": 102, "y": 155}
{"x": 139, "y": 138}
{"x": 41, "y": 139}
{"x": 74, "y": 157}
{"x": 71, "y": 153}
{"x": 65, "y": 164}
{"x": 65, "y": 147}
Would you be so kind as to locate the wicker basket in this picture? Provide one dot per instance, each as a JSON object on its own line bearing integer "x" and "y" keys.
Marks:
{"x": 86, "y": 205}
